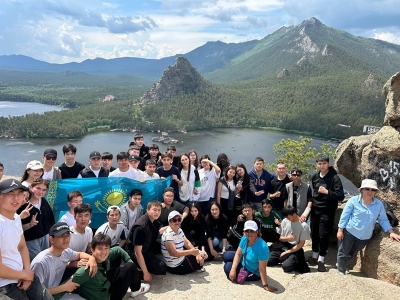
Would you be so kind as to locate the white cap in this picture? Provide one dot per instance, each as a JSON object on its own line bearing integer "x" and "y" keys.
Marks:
{"x": 113, "y": 207}
{"x": 250, "y": 225}
{"x": 34, "y": 165}
{"x": 173, "y": 214}
{"x": 368, "y": 183}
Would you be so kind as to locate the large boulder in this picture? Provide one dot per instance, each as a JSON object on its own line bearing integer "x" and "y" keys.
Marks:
{"x": 391, "y": 90}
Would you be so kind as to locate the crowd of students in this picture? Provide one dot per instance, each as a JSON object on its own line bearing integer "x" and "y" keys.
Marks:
{"x": 250, "y": 219}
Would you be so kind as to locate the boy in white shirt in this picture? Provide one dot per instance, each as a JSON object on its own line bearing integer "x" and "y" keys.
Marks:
{"x": 124, "y": 169}
{"x": 74, "y": 199}
{"x": 114, "y": 228}
{"x": 150, "y": 172}
{"x": 82, "y": 233}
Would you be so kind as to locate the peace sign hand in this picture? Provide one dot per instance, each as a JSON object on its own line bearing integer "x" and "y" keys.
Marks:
{"x": 26, "y": 212}
{"x": 33, "y": 221}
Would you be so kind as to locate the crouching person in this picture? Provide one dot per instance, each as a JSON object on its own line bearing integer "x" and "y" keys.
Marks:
{"x": 179, "y": 254}
{"x": 289, "y": 250}
{"x": 109, "y": 283}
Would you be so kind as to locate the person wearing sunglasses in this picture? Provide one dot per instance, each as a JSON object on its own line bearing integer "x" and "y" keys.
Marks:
{"x": 49, "y": 160}
{"x": 252, "y": 255}
{"x": 357, "y": 223}
{"x": 180, "y": 256}
{"x": 299, "y": 194}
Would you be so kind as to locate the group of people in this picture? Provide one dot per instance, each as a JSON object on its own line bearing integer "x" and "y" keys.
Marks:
{"x": 210, "y": 210}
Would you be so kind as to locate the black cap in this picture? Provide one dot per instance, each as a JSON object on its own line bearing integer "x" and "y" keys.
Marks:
{"x": 169, "y": 189}
{"x": 95, "y": 154}
{"x": 9, "y": 185}
{"x": 134, "y": 157}
{"x": 59, "y": 229}
{"x": 50, "y": 151}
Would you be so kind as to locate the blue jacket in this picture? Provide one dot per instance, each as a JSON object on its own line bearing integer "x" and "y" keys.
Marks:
{"x": 259, "y": 184}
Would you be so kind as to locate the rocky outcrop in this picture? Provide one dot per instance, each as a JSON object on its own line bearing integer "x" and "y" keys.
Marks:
{"x": 284, "y": 73}
{"x": 391, "y": 90}
{"x": 326, "y": 51}
{"x": 370, "y": 82}
{"x": 303, "y": 62}
{"x": 181, "y": 78}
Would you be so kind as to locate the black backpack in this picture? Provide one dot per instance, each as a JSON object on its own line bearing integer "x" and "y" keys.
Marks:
{"x": 389, "y": 212}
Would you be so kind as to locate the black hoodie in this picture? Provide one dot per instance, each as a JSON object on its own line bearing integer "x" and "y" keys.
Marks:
{"x": 331, "y": 181}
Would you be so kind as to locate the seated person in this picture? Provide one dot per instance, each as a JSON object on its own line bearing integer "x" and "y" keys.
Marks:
{"x": 109, "y": 284}
{"x": 237, "y": 229}
{"x": 142, "y": 242}
{"x": 82, "y": 233}
{"x": 114, "y": 228}
{"x": 289, "y": 250}
{"x": 217, "y": 227}
{"x": 270, "y": 220}
{"x": 252, "y": 255}
{"x": 179, "y": 254}
{"x": 73, "y": 200}
{"x": 49, "y": 265}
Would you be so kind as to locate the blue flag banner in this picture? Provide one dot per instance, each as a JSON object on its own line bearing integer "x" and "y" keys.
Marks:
{"x": 101, "y": 193}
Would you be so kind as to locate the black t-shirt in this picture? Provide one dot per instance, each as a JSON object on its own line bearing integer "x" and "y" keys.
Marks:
{"x": 179, "y": 207}
{"x": 278, "y": 185}
{"x": 71, "y": 172}
{"x": 173, "y": 171}
{"x": 138, "y": 236}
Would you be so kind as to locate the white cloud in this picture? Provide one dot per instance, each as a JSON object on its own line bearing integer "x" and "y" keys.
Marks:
{"x": 391, "y": 37}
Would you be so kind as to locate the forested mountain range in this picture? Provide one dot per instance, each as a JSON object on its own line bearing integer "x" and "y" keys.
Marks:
{"x": 308, "y": 78}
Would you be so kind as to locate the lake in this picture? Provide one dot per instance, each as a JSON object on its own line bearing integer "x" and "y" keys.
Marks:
{"x": 22, "y": 108}
{"x": 241, "y": 145}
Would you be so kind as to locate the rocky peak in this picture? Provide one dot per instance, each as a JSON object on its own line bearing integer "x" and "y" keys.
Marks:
{"x": 326, "y": 51}
{"x": 284, "y": 73}
{"x": 370, "y": 82}
{"x": 181, "y": 78}
{"x": 312, "y": 21}
{"x": 303, "y": 62}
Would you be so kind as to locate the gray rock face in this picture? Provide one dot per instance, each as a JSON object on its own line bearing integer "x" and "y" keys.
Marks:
{"x": 181, "y": 78}
{"x": 284, "y": 73}
{"x": 303, "y": 62}
{"x": 391, "y": 90}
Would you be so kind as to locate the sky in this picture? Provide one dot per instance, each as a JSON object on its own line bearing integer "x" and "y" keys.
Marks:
{"x": 61, "y": 31}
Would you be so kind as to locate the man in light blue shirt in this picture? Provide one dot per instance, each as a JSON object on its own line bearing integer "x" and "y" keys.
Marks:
{"x": 357, "y": 223}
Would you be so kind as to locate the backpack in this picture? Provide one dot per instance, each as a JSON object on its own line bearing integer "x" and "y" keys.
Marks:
{"x": 391, "y": 216}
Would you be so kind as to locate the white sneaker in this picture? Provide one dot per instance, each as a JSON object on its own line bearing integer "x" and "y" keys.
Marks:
{"x": 345, "y": 272}
{"x": 144, "y": 287}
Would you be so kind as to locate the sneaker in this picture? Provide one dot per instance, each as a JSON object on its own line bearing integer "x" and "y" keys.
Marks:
{"x": 321, "y": 267}
{"x": 345, "y": 272}
{"x": 312, "y": 261}
{"x": 144, "y": 287}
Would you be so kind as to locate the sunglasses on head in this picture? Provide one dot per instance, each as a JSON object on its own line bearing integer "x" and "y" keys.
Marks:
{"x": 41, "y": 180}
{"x": 51, "y": 158}
{"x": 249, "y": 231}
{"x": 368, "y": 189}
{"x": 176, "y": 220}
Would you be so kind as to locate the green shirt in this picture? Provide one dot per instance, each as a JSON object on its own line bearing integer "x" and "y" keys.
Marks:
{"x": 97, "y": 287}
{"x": 268, "y": 223}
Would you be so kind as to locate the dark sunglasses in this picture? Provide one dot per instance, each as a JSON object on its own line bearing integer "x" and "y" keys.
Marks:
{"x": 176, "y": 220}
{"x": 295, "y": 175}
{"x": 41, "y": 180}
{"x": 371, "y": 190}
{"x": 51, "y": 157}
{"x": 249, "y": 231}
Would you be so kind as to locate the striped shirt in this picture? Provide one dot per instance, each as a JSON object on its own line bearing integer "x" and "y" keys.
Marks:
{"x": 116, "y": 235}
{"x": 179, "y": 239}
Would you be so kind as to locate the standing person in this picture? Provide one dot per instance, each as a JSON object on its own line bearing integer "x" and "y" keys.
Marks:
{"x": 114, "y": 228}
{"x": 226, "y": 192}
{"x": 217, "y": 227}
{"x": 260, "y": 180}
{"x": 277, "y": 189}
{"x": 17, "y": 280}
{"x": 243, "y": 185}
{"x": 252, "y": 255}
{"x": 270, "y": 221}
{"x": 132, "y": 210}
{"x": 124, "y": 170}
{"x": 194, "y": 159}
{"x": 209, "y": 175}
{"x": 167, "y": 169}
{"x": 139, "y": 141}
{"x": 106, "y": 161}
{"x": 34, "y": 170}
{"x": 299, "y": 194}
{"x": 150, "y": 172}
{"x": 357, "y": 223}
{"x": 95, "y": 169}
{"x": 223, "y": 162}
{"x": 37, "y": 225}
{"x": 327, "y": 191}
{"x": 74, "y": 198}
{"x": 142, "y": 240}
{"x": 289, "y": 249}
{"x": 135, "y": 150}
{"x": 49, "y": 170}
{"x": 154, "y": 153}
{"x": 175, "y": 159}
{"x": 190, "y": 189}
{"x": 134, "y": 162}
{"x": 70, "y": 168}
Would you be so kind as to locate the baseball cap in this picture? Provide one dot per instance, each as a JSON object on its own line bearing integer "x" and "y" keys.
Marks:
{"x": 133, "y": 157}
{"x": 250, "y": 225}
{"x": 169, "y": 189}
{"x": 34, "y": 165}
{"x": 94, "y": 154}
{"x": 9, "y": 185}
{"x": 50, "y": 151}
{"x": 113, "y": 207}
{"x": 59, "y": 229}
{"x": 173, "y": 214}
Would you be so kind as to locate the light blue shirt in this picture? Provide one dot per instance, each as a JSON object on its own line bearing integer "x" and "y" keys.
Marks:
{"x": 259, "y": 251}
{"x": 359, "y": 219}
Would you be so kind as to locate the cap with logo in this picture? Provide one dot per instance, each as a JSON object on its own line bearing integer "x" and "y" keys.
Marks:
{"x": 50, "y": 151}
{"x": 113, "y": 207}
{"x": 133, "y": 157}
{"x": 94, "y": 154}
{"x": 34, "y": 165}
{"x": 9, "y": 185}
{"x": 59, "y": 229}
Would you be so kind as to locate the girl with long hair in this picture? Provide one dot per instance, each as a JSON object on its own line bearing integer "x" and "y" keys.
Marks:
{"x": 189, "y": 190}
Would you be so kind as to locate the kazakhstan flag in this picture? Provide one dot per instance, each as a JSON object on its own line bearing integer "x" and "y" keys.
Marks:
{"x": 101, "y": 193}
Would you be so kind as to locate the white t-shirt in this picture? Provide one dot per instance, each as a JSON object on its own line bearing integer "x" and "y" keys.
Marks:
{"x": 179, "y": 240}
{"x": 300, "y": 230}
{"x": 25, "y": 183}
{"x": 10, "y": 236}
{"x": 48, "y": 175}
{"x": 116, "y": 235}
{"x": 95, "y": 172}
{"x": 68, "y": 218}
{"x": 50, "y": 268}
{"x": 79, "y": 242}
{"x": 224, "y": 190}
{"x": 146, "y": 176}
{"x": 208, "y": 182}
{"x": 131, "y": 173}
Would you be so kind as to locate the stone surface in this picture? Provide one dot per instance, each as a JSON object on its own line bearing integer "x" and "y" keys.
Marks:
{"x": 391, "y": 90}
{"x": 284, "y": 73}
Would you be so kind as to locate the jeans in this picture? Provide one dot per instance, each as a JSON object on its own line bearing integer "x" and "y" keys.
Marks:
{"x": 216, "y": 242}
{"x": 347, "y": 248}
{"x": 228, "y": 257}
{"x": 36, "y": 291}
{"x": 37, "y": 245}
